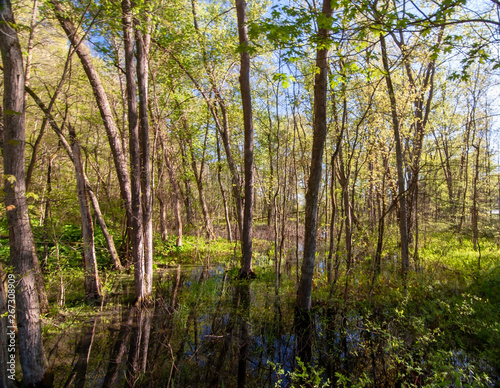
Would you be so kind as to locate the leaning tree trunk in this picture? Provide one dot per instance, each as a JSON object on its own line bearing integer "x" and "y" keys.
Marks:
{"x": 22, "y": 254}
{"x": 319, "y": 136}
{"x": 246, "y": 99}
{"x": 104, "y": 228}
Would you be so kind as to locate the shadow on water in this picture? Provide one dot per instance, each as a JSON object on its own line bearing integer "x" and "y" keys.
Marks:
{"x": 209, "y": 330}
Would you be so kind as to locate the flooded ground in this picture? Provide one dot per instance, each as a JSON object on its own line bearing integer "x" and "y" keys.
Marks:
{"x": 206, "y": 329}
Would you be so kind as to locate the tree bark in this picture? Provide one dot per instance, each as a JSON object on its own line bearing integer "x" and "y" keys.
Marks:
{"x": 143, "y": 44}
{"x": 223, "y": 193}
{"x": 246, "y": 99}
{"x": 22, "y": 254}
{"x": 137, "y": 233}
{"x": 92, "y": 282}
{"x": 475, "y": 208}
{"x": 319, "y": 136}
{"x": 175, "y": 191}
{"x": 160, "y": 196}
{"x": 46, "y": 215}
{"x": 403, "y": 228}
{"x": 102, "y": 224}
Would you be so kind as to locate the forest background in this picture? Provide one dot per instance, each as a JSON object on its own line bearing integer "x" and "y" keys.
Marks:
{"x": 344, "y": 153}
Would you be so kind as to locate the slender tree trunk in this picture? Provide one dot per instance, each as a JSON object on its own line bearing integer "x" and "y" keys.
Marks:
{"x": 163, "y": 219}
{"x": 46, "y": 215}
{"x": 198, "y": 175}
{"x": 333, "y": 199}
{"x": 22, "y": 254}
{"x": 161, "y": 196}
{"x": 92, "y": 282}
{"x": 403, "y": 228}
{"x": 235, "y": 178}
{"x": 170, "y": 170}
{"x": 313, "y": 185}
{"x": 381, "y": 214}
{"x": 175, "y": 191}
{"x": 223, "y": 193}
{"x": 27, "y": 77}
{"x": 475, "y": 207}
{"x": 344, "y": 184}
{"x": 270, "y": 196}
{"x": 135, "y": 155}
{"x": 188, "y": 204}
{"x": 246, "y": 98}
{"x": 143, "y": 44}
{"x": 380, "y": 232}
{"x": 34, "y": 153}
{"x": 104, "y": 228}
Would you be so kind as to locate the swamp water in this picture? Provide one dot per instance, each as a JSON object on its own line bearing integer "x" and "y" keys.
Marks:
{"x": 206, "y": 329}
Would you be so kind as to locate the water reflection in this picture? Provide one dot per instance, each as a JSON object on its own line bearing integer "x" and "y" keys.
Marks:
{"x": 208, "y": 330}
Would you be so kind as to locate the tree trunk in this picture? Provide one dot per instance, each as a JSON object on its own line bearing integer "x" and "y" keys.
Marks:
{"x": 313, "y": 184}
{"x": 137, "y": 233}
{"x": 223, "y": 193}
{"x": 175, "y": 191}
{"x": 246, "y": 99}
{"x": 198, "y": 175}
{"x": 163, "y": 218}
{"x": 102, "y": 224}
{"x": 92, "y": 283}
{"x": 475, "y": 208}
{"x": 22, "y": 254}
{"x": 344, "y": 184}
{"x": 160, "y": 193}
{"x": 333, "y": 199}
{"x": 187, "y": 187}
{"x": 46, "y": 215}
{"x": 143, "y": 42}
{"x": 403, "y": 229}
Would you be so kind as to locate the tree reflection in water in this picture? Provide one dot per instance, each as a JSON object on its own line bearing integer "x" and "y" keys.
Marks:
{"x": 206, "y": 329}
